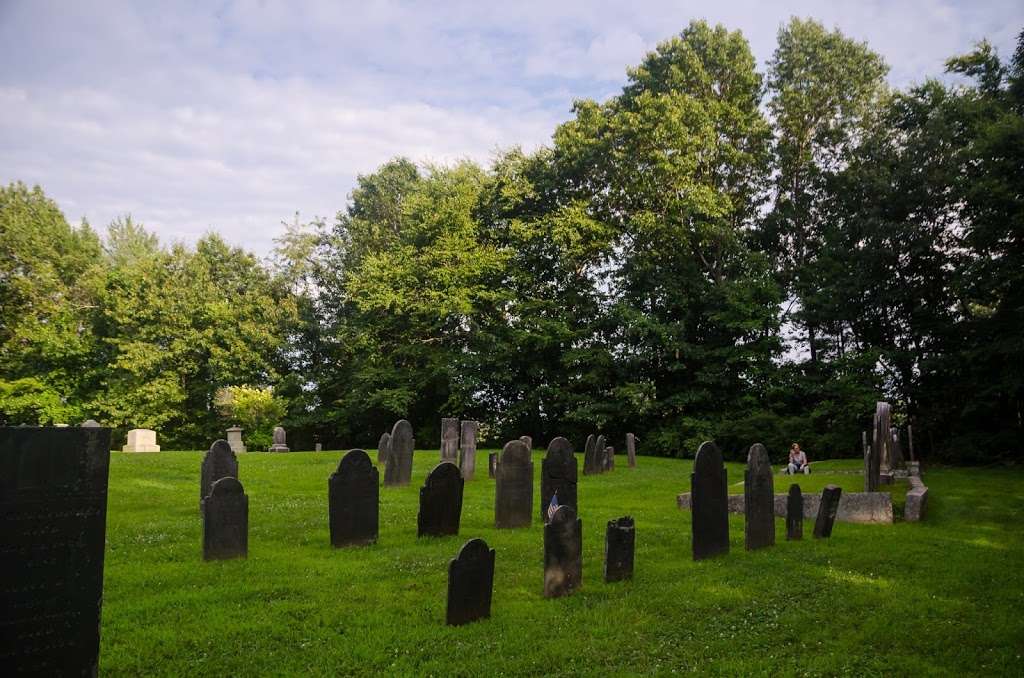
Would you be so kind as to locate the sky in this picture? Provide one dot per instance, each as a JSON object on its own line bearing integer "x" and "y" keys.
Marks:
{"x": 233, "y": 116}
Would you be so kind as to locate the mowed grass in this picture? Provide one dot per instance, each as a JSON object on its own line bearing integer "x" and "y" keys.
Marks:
{"x": 940, "y": 597}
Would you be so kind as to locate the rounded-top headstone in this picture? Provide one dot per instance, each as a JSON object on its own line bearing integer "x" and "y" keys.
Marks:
{"x": 221, "y": 447}
{"x": 90, "y": 423}
{"x": 708, "y": 459}
{"x": 559, "y": 450}
{"x": 757, "y": 459}
{"x": 226, "y": 486}
{"x": 474, "y": 549}
{"x": 279, "y": 435}
{"x": 515, "y": 452}
{"x": 355, "y": 461}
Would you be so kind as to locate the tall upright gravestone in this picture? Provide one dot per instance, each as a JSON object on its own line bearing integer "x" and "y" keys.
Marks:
{"x": 383, "y": 447}
{"x": 450, "y": 439}
{"x": 513, "y": 493}
{"x": 492, "y": 464}
{"x": 600, "y": 452}
{"x": 795, "y": 513}
{"x": 53, "y": 516}
{"x": 470, "y": 583}
{"x": 558, "y": 476}
{"x": 631, "y": 449}
{"x": 467, "y": 449}
{"x": 353, "y": 497}
{"x": 398, "y": 469}
{"x": 827, "y": 510}
{"x": 709, "y": 506}
{"x": 882, "y": 440}
{"x": 563, "y": 553}
{"x": 590, "y": 456}
{"x": 440, "y": 502}
{"x": 219, "y": 462}
{"x": 226, "y": 521}
{"x": 619, "y": 548}
{"x": 759, "y": 499}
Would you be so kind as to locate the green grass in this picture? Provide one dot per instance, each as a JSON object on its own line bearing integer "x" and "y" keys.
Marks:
{"x": 940, "y": 597}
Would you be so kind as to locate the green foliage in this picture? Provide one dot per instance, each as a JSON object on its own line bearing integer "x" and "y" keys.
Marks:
{"x": 256, "y": 410}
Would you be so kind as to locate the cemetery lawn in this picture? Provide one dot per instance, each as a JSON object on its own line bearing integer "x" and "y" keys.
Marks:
{"x": 940, "y": 597}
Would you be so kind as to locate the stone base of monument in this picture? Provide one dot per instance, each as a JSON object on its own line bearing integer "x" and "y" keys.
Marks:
{"x": 854, "y": 507}
{"x": 140, "y": 448}
{"x": 279, "y": 448}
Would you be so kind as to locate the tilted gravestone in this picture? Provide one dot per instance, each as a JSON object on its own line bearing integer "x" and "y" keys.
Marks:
{"x": 226, "y": 521}
{"x": 398, "y": 469}
{"x": 619, "y": 547}
{"x": 827, "y": 510}
{"x": 450, "y": 439}
{"x": 470, "y": 583}
{"x": 219, "y": 462}
{"x": 600, "y": 450}
{"x": 709, "y": 503}
{"x": 563, "y": 553}
{"x": 759, "y": 499}
{"x": 467, "y": 449}
{"x": 558, "y": 476}
{"x": 795, "y": 513}
{"x": 53, "y": 516}
{"x": 492, "y": 464}
{"x": 590, "y": 456}
{"x": 440, "y": 502}
{"x": 631, "y": 449}
{"x": 279, "y": 441}
{"x": 353, "y": 498}
{"x": 383, "y": 447}
{"x": 513, "y": 494}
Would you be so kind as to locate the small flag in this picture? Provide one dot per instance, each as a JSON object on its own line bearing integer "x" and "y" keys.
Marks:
{"x": 552, "y": 507}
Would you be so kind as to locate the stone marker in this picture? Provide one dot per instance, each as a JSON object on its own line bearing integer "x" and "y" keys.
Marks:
{"x": 868, "y": 485}
{"x": 759, "y": 499}
{"x": 599, "y": 454}
{"x": 318, "y": 447}
{"x": 353, "y": 499}
{"x": 235, "y": 439}
{"x": 141, "y": 440}
{"x": 795, "y": 514}
{"x": 609, "y": 458}
{"x": 883, "y": 437}
{"x": 513, "y": 494}
{"x": 226, "y": 521}
{"x": 279, "y": 441}
{"x": 528, "y": 441}
{"x": 590, "y": 456}
{"x": 558, "y": 475}
{"x": 492, "y": 464}
{"x": 470, "y": 583}
{"x": 398, "y": 470}
{"x": 219, "y": 462}
{"x": 440, "y": 502}
{"x": 467, "y": 449}
{"x": 450, "y": 439}
{"x": 827, "y": 512}
{"x": 53, "y": 517}
{"x": 619, "y": 546}
{"x": 631, "y": 449}
{"x": 897, "y": 450}
{"x": 710, "y": 503}
{"x": 383, "y": 447}
{"x": 88, "y": 423}
{"x": 563, "y": 553}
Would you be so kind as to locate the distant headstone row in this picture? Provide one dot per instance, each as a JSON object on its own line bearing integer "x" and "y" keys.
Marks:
{"x": 599, "y": 457}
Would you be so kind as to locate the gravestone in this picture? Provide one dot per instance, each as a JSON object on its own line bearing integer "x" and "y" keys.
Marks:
{"x": 619, "y": 547}
{"x": 609, "y": 458}
{"x": 235, "y": 440}
{"x": 53, "y": 516}
{"x": 528, "y": 441}
{"x": 141, "y": 440}
{"x": 882, "y": 451}
{"x": 558, "y": 475}
{"x": 353, "y": 499}
{"x": 226, "y": 521}
{"x": 513, "y": 493}
{"x": 897, "y": 450}
{"x": 440, "y": 502}
{"x": 470, "y": 583}
{"x": 563, "y": 553}
{"x": 467, "y": 449}
{"x": 219, "y": 462}
{"x": 449, "y": 439}
{"x": 759, "y": 499}
{"x": 868, "y": 485}
{"x": 599, "y": 454}
{"x": 709, "y": 498}
{"x": 795, "y": 514}
{"x": 492, "y": 464}
{"x": 88, "y": 423}
{"x": 383, "y": 447}
{"x": 827, "y": 510}
{"x": 279, "y": 441}
{"x": 318, "y": 447}
{"x": 631, "y": 449}
{"x": 398, "y": 469}
{"x": 590, "y": 456}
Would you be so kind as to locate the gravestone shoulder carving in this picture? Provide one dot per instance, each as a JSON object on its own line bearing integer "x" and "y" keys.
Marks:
{"x": 219, "y": 462}
{"x": 513, "y": 493}
{"x": 558, "y": 476}
{"x": 795, "y": 513}
{"x": 759, "y": 499}
{"x": 440, "y": 502}
{"x": 226, "y": 521}
{"x": 563, "y": 553}
{"x": 619, "y": 549}
{"x": 709, "y": 503}
{"x": 470, "y": 583}
{"x": 353, "y": 492}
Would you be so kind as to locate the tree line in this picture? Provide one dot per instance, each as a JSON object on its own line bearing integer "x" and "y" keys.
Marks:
{"x": 715, "y": 252}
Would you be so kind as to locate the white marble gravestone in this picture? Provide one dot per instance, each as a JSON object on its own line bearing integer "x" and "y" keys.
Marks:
{"x": 141, "y": 440}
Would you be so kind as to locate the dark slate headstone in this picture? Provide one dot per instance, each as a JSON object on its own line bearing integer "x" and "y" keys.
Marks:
{"x": 528, "y": 441}
{"x": 219, "y": 462}
{"x": 279, "y": 441}
{"x": 440, "y": 502}
{"x": 558, "y": 476}
{"x": 590, "y": 456}
{"x": 513, "y": 494}
{"x": 599, "y": 454}
{"x": 759, "y": 499}
{"x": 450, "y": 439}
{"x": 53, "y": 517}
{"x": 709, "y": 499}
{"x": 383, "y": 448}
{"x": 795, "y": 513}
{"x": 353, "y": 498}
{"x": 827, "y": 510}
{"x": 563, "y": 553}
{"x": 226, "y": 521}
{"x": 467, "y": 449}
{"x": 619, "y": 546}
{"x": 631, "y": 449}
{"x": 492, "y": 464}
{"x": 398, "y": 470}
{"x": 470, "y": 583}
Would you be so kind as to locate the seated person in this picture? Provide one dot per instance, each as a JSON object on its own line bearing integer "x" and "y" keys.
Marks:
{"x": 797, "y": 461}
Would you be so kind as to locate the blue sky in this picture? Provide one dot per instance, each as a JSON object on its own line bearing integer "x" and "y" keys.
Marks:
{"x": 232, "y": 116}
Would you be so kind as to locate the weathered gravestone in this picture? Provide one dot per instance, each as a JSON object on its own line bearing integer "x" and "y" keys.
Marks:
{"x": 528, "y": 441}
{"x": 449, "y": 439}
{"x": 590, "y": 456}
{"x": 619, "y": 547}
{"x": 631, "y": 449}
{"x": 759, "y": 499}
{"x": 870, "y": 479}
{"x": 219, "y": 462}
{"x": 513, "y": 493}
{"x": 600, "y": 452}
{"x": 467, "y": 449}
{"x": 141, "y": 440}
{"x": 226, "y": 521}
{"x": 353, "y": 498}
{"x": 882, "y": 439}
{"x": 558, "y": 476}
{"x": 709, "y": 503}
{"x": 609, "y": 458}
{"x": 53, "y": 516}
{"x": 279, "y": 441}
{"x": 398, "y": 468}
{"x": 235, "y": 439}
{"x": 827, "y": 510}
{"x": 563, "y": 553}
{"x": 492, "y": 464}
{"x": 440, "y": 502}
{"x": 897, "y": 450}
{"x": 795, "y": 513}
{"x": 470, "y": 583}
{"x": 383, "y": 447}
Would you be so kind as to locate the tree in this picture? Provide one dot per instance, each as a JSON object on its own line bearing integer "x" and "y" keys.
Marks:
{"x": 256, "y": 410}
